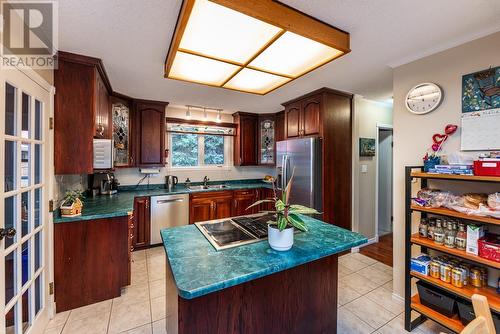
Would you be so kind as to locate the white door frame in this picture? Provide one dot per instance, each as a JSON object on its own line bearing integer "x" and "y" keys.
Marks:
{"x": 48, "y": 181}
{"x": 380, "y": 126}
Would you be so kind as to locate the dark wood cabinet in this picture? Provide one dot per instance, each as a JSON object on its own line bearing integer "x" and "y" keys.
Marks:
{"x": 266, "y": 193}
{"x": 292, "y": 120}
{"x": 91, "y": 261}
{"x": 327, "y": 113}
{"x": 242, "y": 199}
{"x": 266, "y": 139}
{"x": 302, "y": 118}
{"x": 150, "y": 133}
{"x": 142, "y": 222}
{"x": 81, "y": 111}
{"x": 208, "y": 206}
{"x": 280, "y": 126}
{"x": 245, "y": 141}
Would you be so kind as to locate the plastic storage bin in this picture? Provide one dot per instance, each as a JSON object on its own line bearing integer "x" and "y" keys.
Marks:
{"x": 489, "y": 247}
{"x": 437, "y": 299}
{"x": 466, "y": 314}
{"x": 486, "y": 168}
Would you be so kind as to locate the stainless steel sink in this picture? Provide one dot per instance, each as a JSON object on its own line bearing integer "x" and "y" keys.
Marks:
{"x": 212, "y": 186}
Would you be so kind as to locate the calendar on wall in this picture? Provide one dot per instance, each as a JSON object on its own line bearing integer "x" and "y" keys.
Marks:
{"x": 481, "y": 130}
{"x": 481, "y": 110}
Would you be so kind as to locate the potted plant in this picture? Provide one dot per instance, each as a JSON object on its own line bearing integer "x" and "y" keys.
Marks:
{"x": 281, "y": 231}
{"x": 71, "y": 204}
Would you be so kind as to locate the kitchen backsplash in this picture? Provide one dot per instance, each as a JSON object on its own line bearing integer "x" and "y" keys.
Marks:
{"x": 130, "y": 176}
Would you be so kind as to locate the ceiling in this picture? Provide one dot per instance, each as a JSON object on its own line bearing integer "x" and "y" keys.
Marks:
{"x": 132, "y": 38}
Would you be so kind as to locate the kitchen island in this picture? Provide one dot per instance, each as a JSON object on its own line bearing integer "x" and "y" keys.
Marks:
{"x": 252, "y": 288}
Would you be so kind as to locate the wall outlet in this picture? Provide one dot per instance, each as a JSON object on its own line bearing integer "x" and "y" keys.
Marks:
{"x": 364, "y": 168}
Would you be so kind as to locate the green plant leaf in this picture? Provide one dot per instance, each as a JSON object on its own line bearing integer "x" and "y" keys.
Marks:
{"x": 282, "y": 223}
{"x": 297, "y": 222}
{"x": 294, "y": 208}
{"x": 260, "y": 202}
{"x": 280, "y": 205}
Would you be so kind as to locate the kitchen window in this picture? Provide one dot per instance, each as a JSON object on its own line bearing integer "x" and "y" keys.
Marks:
{"x": 198, "y": 147}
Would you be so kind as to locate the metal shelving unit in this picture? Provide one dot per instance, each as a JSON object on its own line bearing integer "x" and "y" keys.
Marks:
{"x": 413, "y": 303}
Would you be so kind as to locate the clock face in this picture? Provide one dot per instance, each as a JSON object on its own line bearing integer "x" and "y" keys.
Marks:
{"x": 423, "y": 98}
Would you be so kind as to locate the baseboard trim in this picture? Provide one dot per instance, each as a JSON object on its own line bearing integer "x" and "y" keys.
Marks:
{"x": 373, "y": 240}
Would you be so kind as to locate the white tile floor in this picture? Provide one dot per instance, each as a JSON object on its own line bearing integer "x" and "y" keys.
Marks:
{"x": 366, "y": 304}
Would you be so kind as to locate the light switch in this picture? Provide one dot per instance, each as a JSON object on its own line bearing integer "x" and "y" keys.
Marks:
{"x": 364, "y": 168}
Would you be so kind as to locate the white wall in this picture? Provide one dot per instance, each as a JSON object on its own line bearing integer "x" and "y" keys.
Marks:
{"x": 412, "y": 133}
{"x": 130, "y": 176}
{"x": 367, "y": 114}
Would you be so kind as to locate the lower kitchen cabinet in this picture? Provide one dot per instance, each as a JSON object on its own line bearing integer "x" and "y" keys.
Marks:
{"x": 242, "y": 199}
{"x": 91, "y": 261}
{"x": 266, "y": 193}
{"x": 208, "y": 206}
{"x": 142, "y": 222}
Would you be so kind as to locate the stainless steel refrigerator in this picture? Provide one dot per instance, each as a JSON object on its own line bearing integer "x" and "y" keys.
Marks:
{"x": 302, "y": 157}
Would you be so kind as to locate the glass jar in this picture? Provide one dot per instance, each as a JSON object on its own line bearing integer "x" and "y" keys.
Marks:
{"x": 423, "y": 228}
{"x": 449, "y": 236}
{"x": 439, "y": 233}
{"x": 461, "y": 237}
{"x": 430, "y": 229}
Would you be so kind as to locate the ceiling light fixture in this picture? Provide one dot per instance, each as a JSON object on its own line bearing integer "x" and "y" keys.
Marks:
{"x": 254, "y": 46}
{"x": 188, "y": 112}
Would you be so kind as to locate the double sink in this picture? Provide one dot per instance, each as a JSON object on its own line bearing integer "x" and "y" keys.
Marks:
{"x": 202, "y": 187}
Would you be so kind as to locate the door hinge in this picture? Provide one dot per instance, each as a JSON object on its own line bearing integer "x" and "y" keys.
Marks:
{"x": 51, "y": 123}
{"x": 51, "y": 205}
{"x": 51, "y": 288}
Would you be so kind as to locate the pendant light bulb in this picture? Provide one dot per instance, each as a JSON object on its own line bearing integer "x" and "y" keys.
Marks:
{"x": 219, "y": 117}
{"x": 188, "y": 113}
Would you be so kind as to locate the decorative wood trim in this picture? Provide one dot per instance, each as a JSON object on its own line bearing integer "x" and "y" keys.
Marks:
{"x": 272, "y": 12}
{"x": 319, "y": 91}
{"x": 291, "y": 19}
{"x": 198, "y": 122}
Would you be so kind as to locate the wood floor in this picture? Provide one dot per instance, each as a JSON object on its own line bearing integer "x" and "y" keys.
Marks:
{"x": 381, "y": 251}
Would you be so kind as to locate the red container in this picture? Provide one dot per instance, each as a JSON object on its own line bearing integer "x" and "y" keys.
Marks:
{"x": 489, "y": 247}
{"x": 486, "y": 168}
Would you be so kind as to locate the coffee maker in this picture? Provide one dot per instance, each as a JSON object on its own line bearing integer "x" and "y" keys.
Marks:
{"x": 105, "y": 183}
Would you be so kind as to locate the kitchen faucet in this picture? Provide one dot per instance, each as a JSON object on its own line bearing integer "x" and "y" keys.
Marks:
{"x": 205, "y": 180}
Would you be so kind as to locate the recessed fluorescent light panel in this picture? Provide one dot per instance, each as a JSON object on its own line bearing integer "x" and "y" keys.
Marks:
{"x": 237, "y": 45}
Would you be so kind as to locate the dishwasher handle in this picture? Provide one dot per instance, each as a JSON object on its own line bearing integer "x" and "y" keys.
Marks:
{"x": 166, "y": 201}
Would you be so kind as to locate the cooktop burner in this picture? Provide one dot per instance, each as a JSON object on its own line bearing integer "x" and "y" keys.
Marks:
{"x": 236, "y": 231}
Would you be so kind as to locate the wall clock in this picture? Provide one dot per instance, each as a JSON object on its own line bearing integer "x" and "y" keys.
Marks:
{"x": 424, "y": 98}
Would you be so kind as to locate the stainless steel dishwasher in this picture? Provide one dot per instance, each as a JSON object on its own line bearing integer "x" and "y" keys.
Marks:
{"x": 168, "y": 211}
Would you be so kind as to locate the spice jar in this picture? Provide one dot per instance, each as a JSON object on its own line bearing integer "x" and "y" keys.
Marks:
{"x": 461, "y": 237}
{"x": 423, "y": 228}
{"x": 438, "y": 233}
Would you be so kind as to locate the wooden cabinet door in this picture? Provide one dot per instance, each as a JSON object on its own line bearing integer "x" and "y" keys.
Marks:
{"x": 222, "y": 206}
{"x": 280, "y": 126}
{"x": 150, "y": 134}
{"x": 200, "y": 209}
{"x": 310, "y": 116}
{"x": 142, "y": 223}
{"x": 242, "y": 199}
{"x": 245, "y": 141}
{"x": 266, "y": 193}
{"x": 292, "y": 120}
{"x": 103, "y": 122}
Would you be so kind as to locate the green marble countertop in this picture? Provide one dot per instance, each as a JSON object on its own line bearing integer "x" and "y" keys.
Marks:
{"x": 122, "y": 203}
{"x": 198, "y": 269}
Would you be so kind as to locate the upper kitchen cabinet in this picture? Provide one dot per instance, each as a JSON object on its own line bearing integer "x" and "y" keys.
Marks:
{"x": 150, "y": 133}
{"x": 328, "y": 114}
{"x": 280, "y": 126}
{"x": 267, "y": 139}
{"x": 81, "y": 103}
{"x": 302, "y": 118}
{"x": 245, "y": 141}
{"x": 121, "y": 113}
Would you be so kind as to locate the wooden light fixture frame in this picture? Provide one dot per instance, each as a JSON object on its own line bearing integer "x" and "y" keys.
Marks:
{"x": 274, "y": 13}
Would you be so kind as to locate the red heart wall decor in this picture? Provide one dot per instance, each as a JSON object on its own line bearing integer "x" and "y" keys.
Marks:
{"x": 438, "y": 138}
{"x": 450, "y": 129}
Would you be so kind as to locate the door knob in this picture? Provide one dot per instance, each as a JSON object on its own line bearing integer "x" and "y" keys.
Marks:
{"x": 7, "y": 232}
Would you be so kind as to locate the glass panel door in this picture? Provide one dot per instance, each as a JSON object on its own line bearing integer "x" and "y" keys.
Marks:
{"x": 23, "y": 198}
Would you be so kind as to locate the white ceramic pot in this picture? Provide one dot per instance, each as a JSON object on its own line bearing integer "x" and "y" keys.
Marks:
{"x": 280, "y": 240}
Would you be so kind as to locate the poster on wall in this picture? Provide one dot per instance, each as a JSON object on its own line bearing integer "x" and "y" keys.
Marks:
{"x": 481, "y": 110}
{"x": 366, "y": 147}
